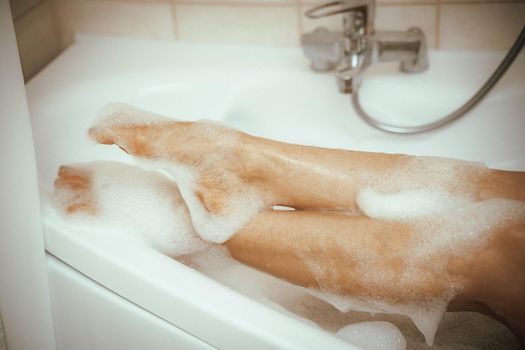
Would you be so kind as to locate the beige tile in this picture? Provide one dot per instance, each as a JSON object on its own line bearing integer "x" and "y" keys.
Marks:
{"x": 273, "y": 25}
{"x": 478, "y": 1}
{"x": 405, "y": 17}
{"x": 19, "y": 7}
{"x": 138, "y": 0}
{"x": 134, "y": 19}
{"x": 239, "y": 2}
{"x": 480, "y": 26}
{"x": 389, "y": 18}
{"x": 380, "y": 2}
{"x": 37, "y": 37}
{"x": 406, "y": 2}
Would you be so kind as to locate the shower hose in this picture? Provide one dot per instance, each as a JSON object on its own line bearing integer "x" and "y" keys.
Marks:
{"x": 467, "y": 106}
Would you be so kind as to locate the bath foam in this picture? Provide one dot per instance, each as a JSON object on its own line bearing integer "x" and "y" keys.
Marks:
{"x": 137, "y": 205}
{"x": 122, "y": 114}
{"x": 442, "y": 222}
{"x": 406, "y": 204}
{"x": 453, "y": 232}
{"x": 240, "y": 205}
{"x": 444, "y": 225}
{"x": 425, "y": 316}
{"x": 215, "y": 228}
{"x": 373, "y": 335}
{"x": 217, "y": 263}
{"x": 426, "y": 173}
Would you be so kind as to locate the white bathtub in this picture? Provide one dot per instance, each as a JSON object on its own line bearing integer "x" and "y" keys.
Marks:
{"x": 107, "y": 293}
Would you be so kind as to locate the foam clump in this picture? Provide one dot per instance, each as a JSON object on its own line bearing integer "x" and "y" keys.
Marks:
{"x": 425, "y": 316}
{"x": 122, "y": 114}
{"x": 135, "y": 204}
{"x": 240, "y": 207}
{"x": 373, "y": 335}
{"x": 462, "y": 229}
{"x": 406, "y": 204}
{"x": 441, "y": 220}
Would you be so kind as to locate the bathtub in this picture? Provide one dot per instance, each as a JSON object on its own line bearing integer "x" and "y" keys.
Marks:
{"x": 113, "y": 294}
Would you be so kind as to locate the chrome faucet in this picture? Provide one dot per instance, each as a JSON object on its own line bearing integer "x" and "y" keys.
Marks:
{"x": 350, "y": 52}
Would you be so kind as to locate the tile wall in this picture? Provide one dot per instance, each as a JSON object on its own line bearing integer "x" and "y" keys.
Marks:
{"x": 44, "y": 27}
{"x": 37, "y": 33}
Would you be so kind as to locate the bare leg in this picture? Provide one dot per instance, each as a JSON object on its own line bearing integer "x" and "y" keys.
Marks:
{"x": 358, "y": 256}
{"x": 298, "y": 176}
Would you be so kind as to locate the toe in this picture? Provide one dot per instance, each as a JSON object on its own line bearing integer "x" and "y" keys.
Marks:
{"x": 103, "y": 136}
{"x": 137, "y": 140}
{"x": 73, "y": 190}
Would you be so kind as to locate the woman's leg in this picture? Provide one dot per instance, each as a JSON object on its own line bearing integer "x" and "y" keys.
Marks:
{"x": 298, "y": 176}
{"x": 376, "y": 260}
{"x": 362, "y": 257}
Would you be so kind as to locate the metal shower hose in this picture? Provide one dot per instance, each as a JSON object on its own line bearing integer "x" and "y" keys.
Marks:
{"x": 489, "y": 84}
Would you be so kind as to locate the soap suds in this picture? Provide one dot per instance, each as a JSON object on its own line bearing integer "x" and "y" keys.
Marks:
{"x": 121, "y": 114}
{"x": 464, "y": 228}
{"x": 442, "y": 226}
{"x": 373, "y": 335}
{"x": 137, "y": 205}
{"x": 425, "y": 316}
{"x": 215, "y": 228}
{"x": 406, "y": 204}
{"x": 442, "y": 221}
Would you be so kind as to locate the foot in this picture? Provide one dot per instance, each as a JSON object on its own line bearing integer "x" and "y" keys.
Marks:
{"x": 128, "y": 202}
{"x": 219, "y": 157}
{"x": 73, "y": 192}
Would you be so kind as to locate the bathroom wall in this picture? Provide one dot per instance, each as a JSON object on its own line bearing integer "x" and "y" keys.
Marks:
{"x": 37, "y": 33}
{"x": 44, "y": 27}
{"x": 3, "y": 345}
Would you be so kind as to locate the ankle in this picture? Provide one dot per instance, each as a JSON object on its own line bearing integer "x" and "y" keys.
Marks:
{"x": 256, "y": 167}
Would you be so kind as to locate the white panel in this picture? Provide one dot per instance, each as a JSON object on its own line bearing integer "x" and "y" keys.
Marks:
{"x": 90, "y": 317}
{"x": 24, "y": 294}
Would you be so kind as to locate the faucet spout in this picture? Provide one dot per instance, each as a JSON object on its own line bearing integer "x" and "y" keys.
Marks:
{"x": 349, "y": 72}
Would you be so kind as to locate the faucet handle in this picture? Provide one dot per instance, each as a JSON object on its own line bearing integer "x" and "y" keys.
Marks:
{"x": 323, "y": 48}
{"x": 358, "y": 18}
{"x": 339, "y": 7}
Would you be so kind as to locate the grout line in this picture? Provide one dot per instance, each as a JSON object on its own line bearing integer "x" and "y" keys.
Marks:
{"x": 406, "y": 4}
{"x": 261, "y": 4}
{"x": 300, "y": 21}
{"x": 140, "y": 1}
{"x": 28, "y": 10}
{"x": 395, "y": 3}
{"x": 236, "y": 4}
{"x": 388, "y": 4}
{"x": 174, "y": 20}
{"x": 438, "y": 24}
{"x": 481, "y": 2}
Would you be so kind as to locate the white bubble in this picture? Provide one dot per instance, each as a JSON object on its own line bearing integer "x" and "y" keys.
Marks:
{"x": 240, "y": 207}
{"x": 135, "y": 204}
{"x": 373, "y": 335}
{"x": 406, "y": 204}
